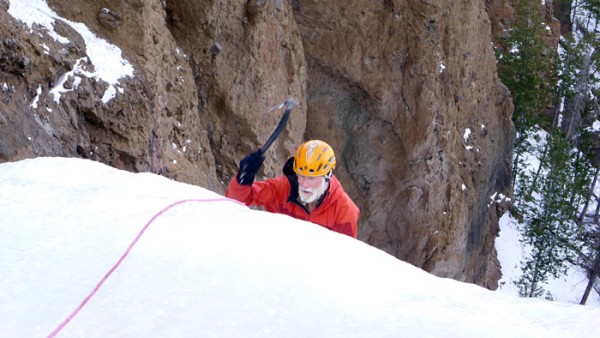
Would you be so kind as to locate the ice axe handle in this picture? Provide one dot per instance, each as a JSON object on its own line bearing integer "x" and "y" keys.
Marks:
{"x": 289, "y": 104}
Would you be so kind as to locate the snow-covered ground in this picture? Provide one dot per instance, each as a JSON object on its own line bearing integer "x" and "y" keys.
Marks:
{"x": 206, "y": 266}
{"x": 511, "y": 252}
{"x": 568, "y": 288}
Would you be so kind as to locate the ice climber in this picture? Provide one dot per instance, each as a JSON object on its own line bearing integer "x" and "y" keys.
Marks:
{"x": 306, "y": 190}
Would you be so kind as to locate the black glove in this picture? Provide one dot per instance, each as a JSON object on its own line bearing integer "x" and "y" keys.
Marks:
{"x": 249, "y": 166}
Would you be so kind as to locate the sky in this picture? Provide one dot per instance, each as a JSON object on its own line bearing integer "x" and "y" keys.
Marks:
{"x": 187, "y": 262}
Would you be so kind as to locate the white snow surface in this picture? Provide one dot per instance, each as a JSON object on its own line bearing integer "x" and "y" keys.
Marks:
{"x": 211, "y": 267}
{"x": 568, "y": 288}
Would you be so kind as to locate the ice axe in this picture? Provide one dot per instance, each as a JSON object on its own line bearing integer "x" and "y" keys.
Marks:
{"x": 250, "y": 164}
{"x": 289, "y": 105}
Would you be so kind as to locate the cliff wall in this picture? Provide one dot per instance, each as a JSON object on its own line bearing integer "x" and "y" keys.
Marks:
{"x": 405, "y": 91}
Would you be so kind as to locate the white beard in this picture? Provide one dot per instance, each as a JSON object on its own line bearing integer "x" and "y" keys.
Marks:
{"x": 312, "y": 194}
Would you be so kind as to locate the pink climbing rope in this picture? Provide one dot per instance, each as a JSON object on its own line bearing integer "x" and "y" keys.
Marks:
{"x": 114, "y": 267}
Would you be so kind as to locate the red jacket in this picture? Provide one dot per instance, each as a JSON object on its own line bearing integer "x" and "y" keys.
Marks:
{"x": 336, "y": 212}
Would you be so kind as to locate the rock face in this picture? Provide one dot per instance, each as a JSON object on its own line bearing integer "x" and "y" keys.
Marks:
{"x": 405, "y": 91}
{"x": 409, "y": 92}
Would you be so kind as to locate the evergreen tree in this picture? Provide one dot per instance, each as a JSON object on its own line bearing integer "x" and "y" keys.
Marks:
{"x": 547, "y": 198}
{"x": 586, "y": 17}
{"x": 548, "y": 228}
{"x": 589, "y": 256}
{"x": 523, "y": 68}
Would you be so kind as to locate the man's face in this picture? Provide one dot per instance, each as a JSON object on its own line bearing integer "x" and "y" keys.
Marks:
{"x": 311, "y": 188}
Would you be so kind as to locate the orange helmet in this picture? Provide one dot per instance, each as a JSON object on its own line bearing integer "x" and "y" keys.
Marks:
{"x": 314, "y": 158}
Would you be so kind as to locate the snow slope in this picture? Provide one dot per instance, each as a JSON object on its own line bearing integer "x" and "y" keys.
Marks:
{"x": 211, "y": 267}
